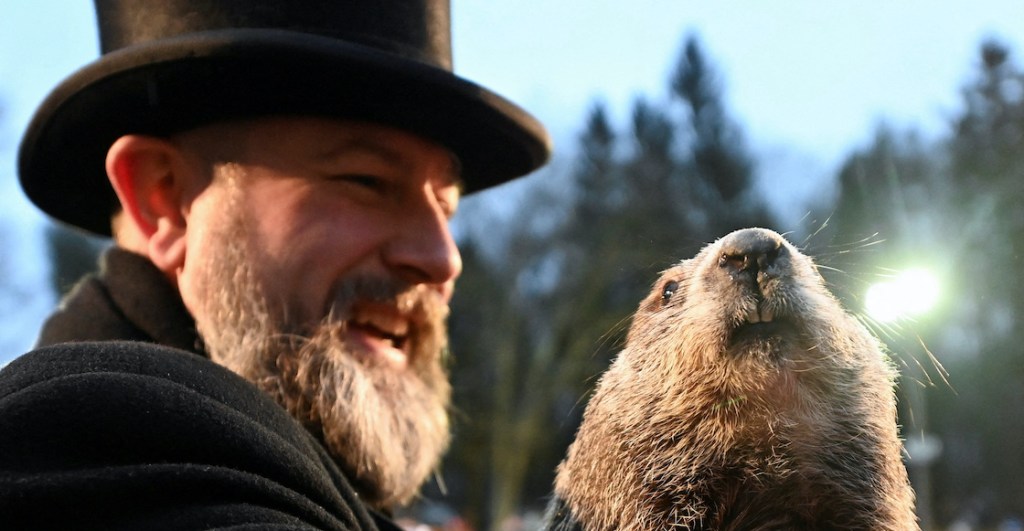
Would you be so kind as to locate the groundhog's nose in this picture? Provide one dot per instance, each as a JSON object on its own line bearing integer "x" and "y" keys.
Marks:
{"x": 750, "y": 251}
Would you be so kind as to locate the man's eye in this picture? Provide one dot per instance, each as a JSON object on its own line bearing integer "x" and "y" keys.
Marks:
{"x": 371, "y": 182}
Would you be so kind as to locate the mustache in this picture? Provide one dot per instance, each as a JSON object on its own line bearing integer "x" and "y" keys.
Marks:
{"x": 422, "y": 309}
{"x": 415, "y": 302}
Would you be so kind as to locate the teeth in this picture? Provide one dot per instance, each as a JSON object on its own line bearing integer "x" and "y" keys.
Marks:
{"x": 384, "y": 319}
{"x": 760, "y": 315}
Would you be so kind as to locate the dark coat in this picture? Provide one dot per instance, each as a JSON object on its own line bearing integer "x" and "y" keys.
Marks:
{"x": 119, "y": 421}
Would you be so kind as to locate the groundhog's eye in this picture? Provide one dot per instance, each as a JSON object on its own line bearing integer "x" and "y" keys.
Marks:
{"x": 668, "y": 290}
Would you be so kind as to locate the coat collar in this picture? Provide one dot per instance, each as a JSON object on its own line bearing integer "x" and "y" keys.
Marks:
{"x": 129, "y": 298}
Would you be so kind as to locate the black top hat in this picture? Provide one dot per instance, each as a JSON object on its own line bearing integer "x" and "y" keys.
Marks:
{"x": 170, "y": 65}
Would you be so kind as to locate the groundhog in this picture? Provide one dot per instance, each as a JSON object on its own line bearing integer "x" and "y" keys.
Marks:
{"x": 745, "y": 399}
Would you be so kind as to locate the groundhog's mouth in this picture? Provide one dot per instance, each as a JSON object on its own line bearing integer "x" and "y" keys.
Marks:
{"x": 760, "y": 324}
{"x": 756, "y": 331}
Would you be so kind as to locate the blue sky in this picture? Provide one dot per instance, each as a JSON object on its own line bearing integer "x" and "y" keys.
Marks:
{"x": 808, "y": 80}
{"x": 807, "y": 73}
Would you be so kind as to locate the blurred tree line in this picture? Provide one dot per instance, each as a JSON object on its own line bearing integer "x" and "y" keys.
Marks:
{"x": 956, "y": 207}
{"x": 545, "y": 299}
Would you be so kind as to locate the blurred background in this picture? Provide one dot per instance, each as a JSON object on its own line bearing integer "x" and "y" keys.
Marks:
{"x": 881, "y": 137}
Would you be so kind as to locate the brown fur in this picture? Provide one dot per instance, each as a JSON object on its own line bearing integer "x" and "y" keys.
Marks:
{"x": 704, "y": 423}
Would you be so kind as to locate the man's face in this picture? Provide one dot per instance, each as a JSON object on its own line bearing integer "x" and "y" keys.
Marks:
{"x": 319, "y": 265}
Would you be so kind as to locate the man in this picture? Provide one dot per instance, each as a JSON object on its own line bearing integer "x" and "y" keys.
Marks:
{"x": 263, "y": 345}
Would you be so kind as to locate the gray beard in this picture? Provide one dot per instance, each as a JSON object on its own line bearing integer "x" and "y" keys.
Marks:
{"x": 387, "y": 429}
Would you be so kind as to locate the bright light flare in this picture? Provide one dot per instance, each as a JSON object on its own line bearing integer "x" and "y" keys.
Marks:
{"x": 908, "y": 294}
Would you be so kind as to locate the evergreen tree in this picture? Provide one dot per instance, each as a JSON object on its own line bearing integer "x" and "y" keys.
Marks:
{"x": 721, "y": 169}
{"x": 595, "y": 178}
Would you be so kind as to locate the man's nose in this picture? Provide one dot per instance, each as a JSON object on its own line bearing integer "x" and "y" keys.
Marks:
{"x": 423, "y": 250}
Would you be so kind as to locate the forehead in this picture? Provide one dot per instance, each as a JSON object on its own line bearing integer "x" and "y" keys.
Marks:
{"x": 281, "y": 140}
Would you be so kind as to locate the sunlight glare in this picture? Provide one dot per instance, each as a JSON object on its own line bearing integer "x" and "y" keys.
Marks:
{"x": 910, "y": 293}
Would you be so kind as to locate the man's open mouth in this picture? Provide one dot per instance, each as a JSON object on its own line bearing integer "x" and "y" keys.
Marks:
{"x": 379, "y": 330}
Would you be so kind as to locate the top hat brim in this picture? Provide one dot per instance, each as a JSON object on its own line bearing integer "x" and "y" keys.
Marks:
{"x": 173, "y": 85}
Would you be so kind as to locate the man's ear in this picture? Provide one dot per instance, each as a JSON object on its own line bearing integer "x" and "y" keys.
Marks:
{"x": 155, "y": 187}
